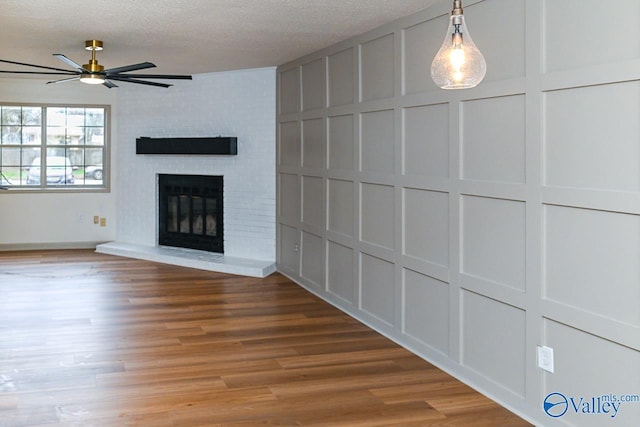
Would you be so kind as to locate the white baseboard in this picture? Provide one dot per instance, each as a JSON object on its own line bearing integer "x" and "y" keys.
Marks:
{"x": 47, "y": 246}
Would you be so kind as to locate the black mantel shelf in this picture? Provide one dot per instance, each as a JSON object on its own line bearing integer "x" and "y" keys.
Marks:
{"x": 215, "y": 145}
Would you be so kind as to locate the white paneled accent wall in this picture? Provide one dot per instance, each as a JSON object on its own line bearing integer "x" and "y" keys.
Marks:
{"x": 472, "y": 226}
{"x": 237, "y": 103}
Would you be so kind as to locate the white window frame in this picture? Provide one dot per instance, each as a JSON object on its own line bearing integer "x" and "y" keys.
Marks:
{"x": 78, "y": 152}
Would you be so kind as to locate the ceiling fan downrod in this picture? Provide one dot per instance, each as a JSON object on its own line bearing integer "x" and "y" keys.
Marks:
{"x": 93, "y": 46}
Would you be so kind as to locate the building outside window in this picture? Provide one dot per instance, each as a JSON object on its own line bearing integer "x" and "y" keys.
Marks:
{"x": 53, "y": 146}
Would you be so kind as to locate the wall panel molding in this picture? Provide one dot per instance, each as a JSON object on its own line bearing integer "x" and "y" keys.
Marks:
{"x": 454, "y": 217}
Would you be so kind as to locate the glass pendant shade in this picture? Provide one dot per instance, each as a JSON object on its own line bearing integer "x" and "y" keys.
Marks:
{"x": 458, "y": 64}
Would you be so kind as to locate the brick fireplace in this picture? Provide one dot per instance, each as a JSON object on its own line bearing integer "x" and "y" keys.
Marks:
{"x": 239, "y": 103}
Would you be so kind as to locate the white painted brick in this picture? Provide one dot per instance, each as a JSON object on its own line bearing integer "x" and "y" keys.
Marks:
{"x": 237, "y": 103}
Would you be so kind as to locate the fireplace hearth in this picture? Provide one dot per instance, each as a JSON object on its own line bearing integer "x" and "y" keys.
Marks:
{"x": 190, "y": 212}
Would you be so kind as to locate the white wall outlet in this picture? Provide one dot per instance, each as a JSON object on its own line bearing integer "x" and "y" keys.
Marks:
{"x": 545, "y": 358}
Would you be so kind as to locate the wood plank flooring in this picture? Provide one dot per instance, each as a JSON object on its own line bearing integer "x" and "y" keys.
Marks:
{"x": 98, "y": 340}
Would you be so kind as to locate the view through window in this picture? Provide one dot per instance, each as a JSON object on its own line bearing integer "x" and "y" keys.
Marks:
{"x": 53, "y": 146}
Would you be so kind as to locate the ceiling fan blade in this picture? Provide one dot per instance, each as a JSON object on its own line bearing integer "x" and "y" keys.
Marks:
{"x": 68, "y": 73}
{"x": 109, "y": 84}
{"x": 126, "y": 68}
{"x": 68, "y": 61}
{"x": 142, "y": 82}
{"x": 65, "y": 80}
{"x": 156, "y": 76}
{"x": 37, "y": 66}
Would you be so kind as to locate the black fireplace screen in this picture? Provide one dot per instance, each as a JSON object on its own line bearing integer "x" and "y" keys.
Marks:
{"x": 190, "y": 212}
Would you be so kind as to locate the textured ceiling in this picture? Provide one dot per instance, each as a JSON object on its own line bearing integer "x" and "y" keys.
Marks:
{"x": 187, "y": 36}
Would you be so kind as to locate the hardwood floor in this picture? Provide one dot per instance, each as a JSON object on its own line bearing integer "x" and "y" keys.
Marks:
{"x": 97, "y": 340}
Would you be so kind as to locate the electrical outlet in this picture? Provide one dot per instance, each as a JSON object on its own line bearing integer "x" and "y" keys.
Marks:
{"x": 296, "y": 248}
{"x": 545, "y": 358}
{"x": 103, "y": 222}
{"x": 96, "y": 219}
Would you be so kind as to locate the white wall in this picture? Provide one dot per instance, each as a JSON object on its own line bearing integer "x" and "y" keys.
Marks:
{"x": 471, "y": 226}
{"x": 33, "y": 220}
{"x": 237, "y": 103}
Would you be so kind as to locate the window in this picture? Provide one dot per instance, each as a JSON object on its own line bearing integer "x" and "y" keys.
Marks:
{"x": 53, "y": 146}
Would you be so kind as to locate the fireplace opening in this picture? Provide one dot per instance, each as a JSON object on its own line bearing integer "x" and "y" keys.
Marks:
{"x": 190, "y": 212}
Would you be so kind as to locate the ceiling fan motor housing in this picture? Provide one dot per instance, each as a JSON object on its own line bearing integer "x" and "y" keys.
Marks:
{"x": 93, "y": 66}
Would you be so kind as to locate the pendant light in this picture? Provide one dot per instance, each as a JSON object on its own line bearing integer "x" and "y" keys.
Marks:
{"x": 458, "y": 64}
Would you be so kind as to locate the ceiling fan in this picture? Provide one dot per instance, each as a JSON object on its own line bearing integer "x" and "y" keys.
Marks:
{"x": 94, "y": 73}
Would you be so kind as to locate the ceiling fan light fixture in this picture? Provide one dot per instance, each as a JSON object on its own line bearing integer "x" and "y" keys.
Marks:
{"x": 92, "y": 79}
